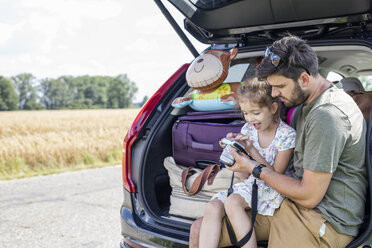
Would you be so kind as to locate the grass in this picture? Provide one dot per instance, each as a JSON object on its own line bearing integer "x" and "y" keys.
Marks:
{"x": 44, "y": 142}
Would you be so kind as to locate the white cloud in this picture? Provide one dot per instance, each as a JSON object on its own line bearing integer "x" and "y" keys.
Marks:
{"x": 142, "y": 46}
{"x": 151, "y": 25}
{"x": 74, "y": 10}
{"x": 6, "y": 31}
{"x": 51, "y": 38}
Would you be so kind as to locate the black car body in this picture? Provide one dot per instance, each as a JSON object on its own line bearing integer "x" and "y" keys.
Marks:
{"x": 340, "y": 31}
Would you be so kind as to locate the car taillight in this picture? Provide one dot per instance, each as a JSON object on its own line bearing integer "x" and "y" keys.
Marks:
{"x": 138, "y": 123}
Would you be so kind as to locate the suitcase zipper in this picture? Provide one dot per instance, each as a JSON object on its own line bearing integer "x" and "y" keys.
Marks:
{"x": 177, "y": 122}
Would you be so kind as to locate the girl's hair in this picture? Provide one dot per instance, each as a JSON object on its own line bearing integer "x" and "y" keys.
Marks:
{"x": 258, "y": 92}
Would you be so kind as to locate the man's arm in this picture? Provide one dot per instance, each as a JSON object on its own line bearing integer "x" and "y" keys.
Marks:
{"x": 307, "y": 192}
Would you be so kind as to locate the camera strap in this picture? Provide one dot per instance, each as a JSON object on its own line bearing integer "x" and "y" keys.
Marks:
{"x": 230, "y": 230}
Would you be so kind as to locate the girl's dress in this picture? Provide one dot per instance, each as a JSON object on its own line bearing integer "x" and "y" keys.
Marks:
{"x": 268, "y": 198}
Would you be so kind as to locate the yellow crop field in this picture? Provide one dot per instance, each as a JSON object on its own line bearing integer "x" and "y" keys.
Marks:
{"x": 44, "y": 142}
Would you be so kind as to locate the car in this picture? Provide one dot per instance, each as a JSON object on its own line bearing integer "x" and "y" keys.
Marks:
{"x": 340, "y": 32}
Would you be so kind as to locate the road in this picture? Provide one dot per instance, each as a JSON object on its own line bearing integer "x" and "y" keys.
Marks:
{"x": 72, "y": 209}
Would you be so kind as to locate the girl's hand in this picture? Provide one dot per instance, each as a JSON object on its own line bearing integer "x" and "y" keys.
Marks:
{"x": 242, "y": 139}
{"x": 242, "y": 162}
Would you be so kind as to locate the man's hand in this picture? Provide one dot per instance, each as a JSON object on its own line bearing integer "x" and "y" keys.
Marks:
{"x": 242, "y": 162}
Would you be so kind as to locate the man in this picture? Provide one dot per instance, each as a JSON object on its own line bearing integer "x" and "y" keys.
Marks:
{"x": 326, "y": 195}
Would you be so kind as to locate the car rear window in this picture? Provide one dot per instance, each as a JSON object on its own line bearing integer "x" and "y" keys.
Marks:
{"x": 334, "y": 76}
{"x": 240, "y": 73}
{"x": 367, "y": 82}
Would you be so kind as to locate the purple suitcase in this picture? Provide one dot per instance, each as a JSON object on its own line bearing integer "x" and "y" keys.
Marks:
{"x": 196, "y": 136}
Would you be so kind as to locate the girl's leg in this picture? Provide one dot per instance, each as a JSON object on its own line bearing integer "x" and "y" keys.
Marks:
{"x": 194, "y": 233}
{"x": 235, "y": 206}
{"x": 210, "y": 230}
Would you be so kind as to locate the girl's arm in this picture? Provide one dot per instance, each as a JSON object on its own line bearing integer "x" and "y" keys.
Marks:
{"x": 281, "y": 159}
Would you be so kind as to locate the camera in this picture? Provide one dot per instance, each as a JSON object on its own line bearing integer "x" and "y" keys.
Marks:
{"x": 226, "y": 157}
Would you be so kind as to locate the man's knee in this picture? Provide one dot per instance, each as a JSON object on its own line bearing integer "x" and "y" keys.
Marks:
{"x": 194, "y": 233}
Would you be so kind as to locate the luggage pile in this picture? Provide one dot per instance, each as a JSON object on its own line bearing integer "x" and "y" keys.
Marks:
{"x": 194, "y": 170}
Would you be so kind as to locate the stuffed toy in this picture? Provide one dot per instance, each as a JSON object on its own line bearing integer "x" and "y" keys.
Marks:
{"x": 206, "y": 75}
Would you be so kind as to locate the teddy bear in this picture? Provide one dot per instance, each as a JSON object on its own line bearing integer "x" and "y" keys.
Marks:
{"x": 206, "y": 75}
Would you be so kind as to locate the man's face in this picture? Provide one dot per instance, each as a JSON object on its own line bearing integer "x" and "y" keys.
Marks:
{"x": 289, "y": 92}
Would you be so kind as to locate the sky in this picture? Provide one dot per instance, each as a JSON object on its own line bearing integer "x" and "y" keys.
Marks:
{"x": 51, "y": 38}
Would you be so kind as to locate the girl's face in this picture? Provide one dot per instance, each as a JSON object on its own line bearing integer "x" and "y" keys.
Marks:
{"x": 261, "y": 118}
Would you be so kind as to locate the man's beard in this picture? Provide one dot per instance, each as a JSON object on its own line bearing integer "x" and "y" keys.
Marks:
{"x": 297, "y": 97}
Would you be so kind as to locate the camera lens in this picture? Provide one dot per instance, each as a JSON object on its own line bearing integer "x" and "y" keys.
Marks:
{"x": 226, "y": 157}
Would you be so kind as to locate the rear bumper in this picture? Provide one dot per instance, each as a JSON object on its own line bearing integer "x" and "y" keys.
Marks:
{"x": 128, "y": 242}
{"x": 135, "y": 234}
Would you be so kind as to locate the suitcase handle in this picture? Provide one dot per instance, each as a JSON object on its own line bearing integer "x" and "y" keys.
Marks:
{"x": 202, "y": 164}
{"x": 198, "y": 145}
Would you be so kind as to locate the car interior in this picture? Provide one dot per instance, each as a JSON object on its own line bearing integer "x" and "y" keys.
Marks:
{"x": 337, "y": 63}
{"x": 339, "y": 35}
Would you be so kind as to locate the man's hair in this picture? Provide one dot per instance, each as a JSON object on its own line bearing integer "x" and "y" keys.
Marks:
{"x": 296, "y": 56}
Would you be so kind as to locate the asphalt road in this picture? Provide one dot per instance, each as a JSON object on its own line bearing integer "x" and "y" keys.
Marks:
{"x": 73, "y": 209}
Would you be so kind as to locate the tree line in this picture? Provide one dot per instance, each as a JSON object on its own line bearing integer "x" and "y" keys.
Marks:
{"x": 25, "y": 92}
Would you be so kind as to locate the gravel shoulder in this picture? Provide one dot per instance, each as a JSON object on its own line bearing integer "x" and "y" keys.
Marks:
{"x": 72, "y": 209}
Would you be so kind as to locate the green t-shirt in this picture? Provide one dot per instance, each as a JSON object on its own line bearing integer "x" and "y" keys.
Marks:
{"x": 330, "y": 138}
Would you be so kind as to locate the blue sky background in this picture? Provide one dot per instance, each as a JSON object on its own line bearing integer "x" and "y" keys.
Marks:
{"x": 50, "y": 38}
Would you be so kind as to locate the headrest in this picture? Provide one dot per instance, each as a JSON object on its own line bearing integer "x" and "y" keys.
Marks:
{"x": 351, "y": 83}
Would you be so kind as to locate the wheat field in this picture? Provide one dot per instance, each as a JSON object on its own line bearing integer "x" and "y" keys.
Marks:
{"x": 44, "y": 142}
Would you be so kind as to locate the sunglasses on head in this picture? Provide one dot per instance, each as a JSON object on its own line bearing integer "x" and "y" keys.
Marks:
{"x": 276, "y": 59}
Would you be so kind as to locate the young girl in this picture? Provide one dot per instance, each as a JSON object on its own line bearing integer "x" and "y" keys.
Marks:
{"x": 269, "y": 141}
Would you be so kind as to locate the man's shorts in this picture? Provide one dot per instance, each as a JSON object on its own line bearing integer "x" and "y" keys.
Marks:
{"x": 293, "y": 226}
